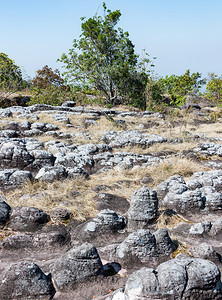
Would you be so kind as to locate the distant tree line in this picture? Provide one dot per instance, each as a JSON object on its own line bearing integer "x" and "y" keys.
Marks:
{"x": 103, "y": 63}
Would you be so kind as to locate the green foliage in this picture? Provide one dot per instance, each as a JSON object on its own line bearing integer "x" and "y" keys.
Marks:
{"x": 104, "y": 58}
{"x": 154, "y": 93}
{"x": 10, "y": 76}
{"x": 49, "y": 88}
{"x": 214, "y": 88}
{"x": 180, "y": 86}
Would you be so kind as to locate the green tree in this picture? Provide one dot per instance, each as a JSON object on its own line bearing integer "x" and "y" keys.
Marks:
{"x": 214, "y": 87}
{"x": 179, "y": 86}
{"x": 104, "y": 58}
{"x": 10, "y": 76}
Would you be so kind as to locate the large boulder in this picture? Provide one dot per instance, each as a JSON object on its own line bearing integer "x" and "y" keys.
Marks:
{"x": 143, "y": 208}
{"x": 25, "y": 280}
{"x": 76, "y": 265}
{"x": 27, "y": 218}
{"x": 179, "y": 278}
{"x": 13, "y": 178}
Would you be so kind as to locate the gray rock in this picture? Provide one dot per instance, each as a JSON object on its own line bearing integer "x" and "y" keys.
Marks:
{"x": 25, "y": 280}
{"x": 69, "y": 104}
{"x": 135, "y": 137}
{"x": 185, "y": 203}
{"x": 212, "y": 198}
{"x": 143, "y": 208}
{"x": 5, "y": 113}
{"x": 25, "y": 125}
{"x": 106, "y": 220}
{"x": 4, "y": 211}
{"x": 13, "y": 178}
{"x": 200, "y": 228}
{"x": 164, "y": 244}
{"x": 60, "y": 213}
{"x": 174, "y": 184}
{"x": 139, "y": 246}
{"x": 27, "y": 218}
{"x": 42, "y": 158}
{"x": 180, "y": 278}
{"x": 51, "y": 173}
{"x": 209, "y": 149}
{"x": 76, "y": 265}
{"x": 216, "y": 228}
{"x": 205, "y": 251}
{"x": 13, "y": 154}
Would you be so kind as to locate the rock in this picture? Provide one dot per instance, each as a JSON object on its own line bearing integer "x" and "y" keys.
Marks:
{"x": 212, "y": 198}
{"x": 69, "y": 104}
{"x": 216, "y": 228}
{"x": 25, "y": 280}
{"x": 42, "y": 159}
{"x": 185, "y": 203}
{"x": 138, "y": 247}
{"x": 209, "y": 149}
{"x": 174, "y": 184}
{"x": 4, "y": 211}
{"x": 10, "y": 179}
{"x": 27, "y": 218}
{"x": 205, "y": 251}
{"x": 51, "y": 237}
{"x": 200, "y": 228}
{"x": 131, "y": 138}
{"x": 111, "y": 201}
{"x": 143, "y": 208}
{"x": 76, "y": 265}
{"x": 164, "y": 244}
{"x": 5, "y": 113}
{"x": 51, "y": 173}
{"x": 179, "y": 278}
{"x": 13, "y": 154}
{"x": 60, "y": 213}
{"x": 106, "y": 220}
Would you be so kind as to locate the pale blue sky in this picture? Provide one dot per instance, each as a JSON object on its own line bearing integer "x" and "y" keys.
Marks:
{"x": 181, "y": 34}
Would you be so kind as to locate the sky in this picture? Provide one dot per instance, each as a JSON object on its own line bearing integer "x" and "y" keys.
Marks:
{"x": 182, "y": 34}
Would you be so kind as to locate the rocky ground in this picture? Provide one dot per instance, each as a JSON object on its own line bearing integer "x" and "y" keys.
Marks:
{"x": 110, "y": 204}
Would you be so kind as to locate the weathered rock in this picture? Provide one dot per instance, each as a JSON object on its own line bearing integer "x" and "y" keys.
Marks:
{"x": 132, "y": 138}
{"x": 143, "y": 208}
{"x": 106, "y": 220}
{"x": 212, "y": 198}
{"x": 4, "y": 211}
{"x": 76, "y": 265}
{"x": 25, "y": 280}
{"x": 200, "y": 228}
{"x": 174, "y": 184}
{"x": 60, "y": 213}
{"x": 184, "y": 203}
{"x": 13, "y": 178}
{"x": 205, "y": 251}
{"x": 138, "y": 247}
{"x": 51, "y": 173}
{"x": 13, "y": 154}
{"x": 42, "y": 159}
{"x": 180, "y": 278}
{"x": 209, "y": 149}
{"x": 27, "y": 218}
{"x": 69, "y": 104}
{"x": 164, "y": 244}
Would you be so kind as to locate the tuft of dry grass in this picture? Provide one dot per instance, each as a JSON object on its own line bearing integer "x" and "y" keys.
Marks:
{"x": 47, "y": 196}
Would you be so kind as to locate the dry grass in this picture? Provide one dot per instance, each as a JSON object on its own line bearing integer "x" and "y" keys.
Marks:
{"x": 57, "y": 194}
